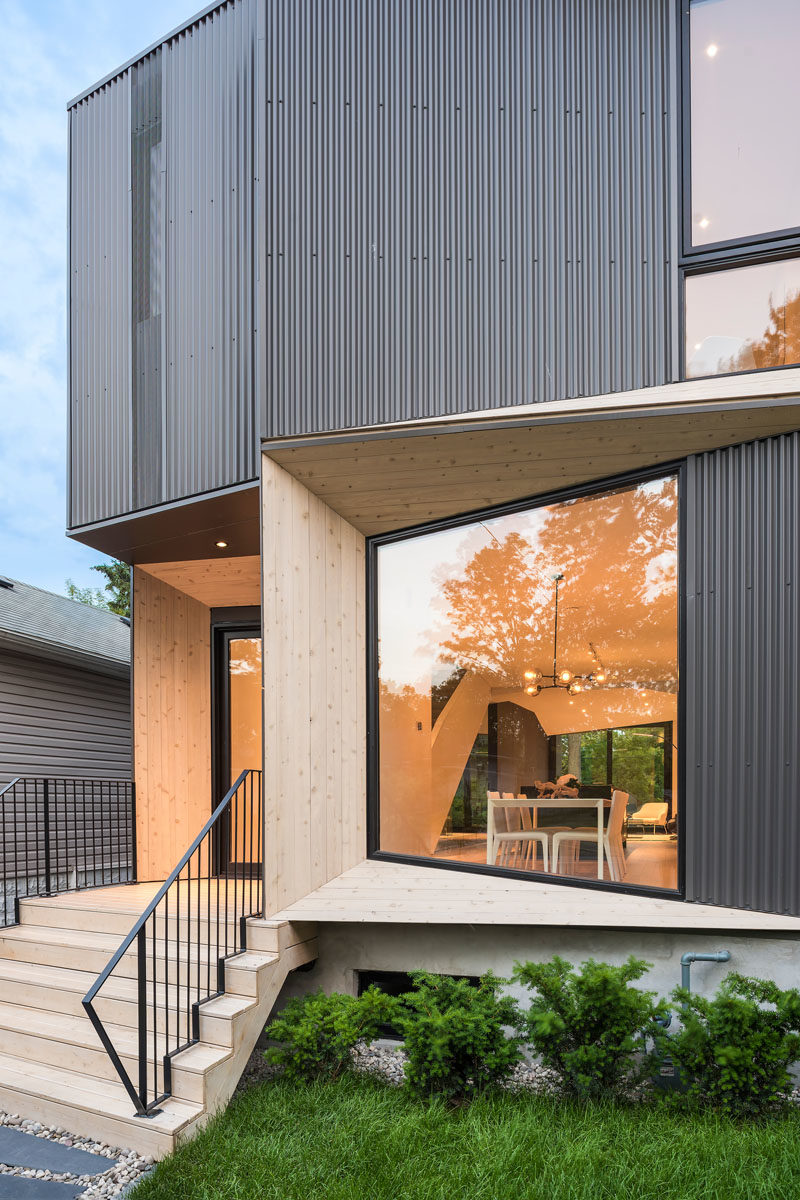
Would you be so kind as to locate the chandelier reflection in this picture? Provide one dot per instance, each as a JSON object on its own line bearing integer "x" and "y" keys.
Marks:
{"x": 539, "y": 681}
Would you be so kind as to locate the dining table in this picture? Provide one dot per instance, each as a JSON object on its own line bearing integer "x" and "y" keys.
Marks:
{"x": 566, "y": 803}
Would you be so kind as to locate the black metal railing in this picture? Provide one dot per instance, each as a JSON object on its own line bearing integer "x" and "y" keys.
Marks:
{"x": 61, "y": 835}
{"x": 176, "y": 951}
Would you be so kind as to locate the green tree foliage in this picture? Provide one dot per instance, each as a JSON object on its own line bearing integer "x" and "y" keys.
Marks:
{"x": 590, "y": 1026}
{"x": 456, "y": 1041}
{"x": 117, "y": 586}
{"x": 117, "y": 589}
{"x": 317, "y": 1032}
{"x": 736, "y": 1049}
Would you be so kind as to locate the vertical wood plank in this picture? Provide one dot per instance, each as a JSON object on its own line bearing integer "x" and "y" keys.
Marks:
{"x": 332, "y": 750}
{"x": 269, "y": 627}
{"x": 299, "y": 765}
{"x": 317, "y": 666}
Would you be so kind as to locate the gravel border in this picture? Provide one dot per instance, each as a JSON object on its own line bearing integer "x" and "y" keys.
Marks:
{"x": 125, "y": 1167}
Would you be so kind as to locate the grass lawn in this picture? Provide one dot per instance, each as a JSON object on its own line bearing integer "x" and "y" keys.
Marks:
{"x": 360, "y": 1140}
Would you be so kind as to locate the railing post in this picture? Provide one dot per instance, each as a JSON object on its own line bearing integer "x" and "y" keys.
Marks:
{"x": 132, "y": 869}
{"x": 141, "y": 970}
{"x": 47, "y": 865}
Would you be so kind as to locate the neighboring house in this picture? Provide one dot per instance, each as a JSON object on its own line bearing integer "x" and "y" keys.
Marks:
{"x": 65, "y": 741}
{"x": 65, "y": 708}
{"x": 445, "y": 359}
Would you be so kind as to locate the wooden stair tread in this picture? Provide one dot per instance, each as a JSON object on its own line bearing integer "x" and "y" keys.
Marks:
{"x": 82, "y": 1091}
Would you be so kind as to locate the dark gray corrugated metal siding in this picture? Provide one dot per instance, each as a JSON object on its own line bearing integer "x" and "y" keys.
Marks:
{"x": 742, "y": 753}
{"x": 211, "y": 80}
{"x": 193, "y": 320}
{"x": 471, "y": 205}
{"x": 59, "y": 720}
{"x": 100, "y": 304}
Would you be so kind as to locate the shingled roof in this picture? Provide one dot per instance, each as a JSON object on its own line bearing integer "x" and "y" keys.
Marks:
{"x": 41, "y": 623}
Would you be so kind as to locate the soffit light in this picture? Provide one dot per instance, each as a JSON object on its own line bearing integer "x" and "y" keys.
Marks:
{"x": 220, "y": 545}
{"x": 563, "y": 678}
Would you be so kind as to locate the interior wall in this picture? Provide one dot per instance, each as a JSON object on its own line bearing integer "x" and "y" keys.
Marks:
{"x": 523, "y": 750}
{"x": 313, "y": 626}
{"x": 172, "y": 721}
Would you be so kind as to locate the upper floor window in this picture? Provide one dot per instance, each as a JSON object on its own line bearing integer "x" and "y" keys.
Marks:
{"x": 745, "y": 136}
{"x": 741, "y": 243}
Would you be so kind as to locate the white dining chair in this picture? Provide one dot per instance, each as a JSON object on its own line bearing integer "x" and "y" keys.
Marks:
{"x": 612, "y": 838}
{"x": 509, "y": 836}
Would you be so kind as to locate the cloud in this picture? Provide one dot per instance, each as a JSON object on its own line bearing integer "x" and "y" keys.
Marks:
{"x": 49, "y": 51}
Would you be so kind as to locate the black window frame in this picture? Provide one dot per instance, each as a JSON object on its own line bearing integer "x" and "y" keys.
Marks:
{"x": 677, "y": 468}
{"x": 728, "y": 254}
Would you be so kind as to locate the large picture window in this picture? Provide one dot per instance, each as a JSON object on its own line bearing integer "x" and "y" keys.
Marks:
{"x": 527, "y": 689}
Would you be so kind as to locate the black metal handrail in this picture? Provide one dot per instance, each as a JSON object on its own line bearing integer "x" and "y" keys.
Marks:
{"x": 61, "y": 835}
{"x": 194, "y": 923}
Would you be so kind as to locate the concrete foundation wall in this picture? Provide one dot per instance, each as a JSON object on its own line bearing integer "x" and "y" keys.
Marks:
{"x": 346, "y": 949}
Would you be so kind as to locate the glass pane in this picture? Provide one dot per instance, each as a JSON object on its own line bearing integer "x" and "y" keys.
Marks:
{"x": 244, "y": 673}
{"x": 743, "y": 319}
{"x": 518, "y": 656}
{"x": 744, "y": 104}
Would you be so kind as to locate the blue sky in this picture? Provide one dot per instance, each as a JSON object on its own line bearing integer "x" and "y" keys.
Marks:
{"x": 49, "y": 51}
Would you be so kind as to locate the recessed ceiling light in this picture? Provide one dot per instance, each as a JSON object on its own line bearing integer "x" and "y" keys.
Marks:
{"x": 712, "y": 50}
{"x": 704, "y": 222}
{"x": 220, "y": 545}
{"x": 698, "y": 345}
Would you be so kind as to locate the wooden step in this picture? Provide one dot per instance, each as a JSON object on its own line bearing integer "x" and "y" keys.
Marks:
{"x": 40, "y": 911}
{"x": 58, "y": 947}
{"x": 53, "y": 1066}
{"x": 92, "y": 1107}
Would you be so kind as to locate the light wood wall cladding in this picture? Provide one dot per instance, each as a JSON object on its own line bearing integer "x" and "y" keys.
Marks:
{"x": 172, "y": 721}
{"x": 215, "y": 582}
{"x": 314, "y": 690}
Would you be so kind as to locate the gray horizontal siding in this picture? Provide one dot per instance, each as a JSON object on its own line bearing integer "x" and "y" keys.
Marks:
{"x": 742, "y": 752}
{"x": 471, "y": 205}
{"x": 61, "y": 721}
{"x": 187, "y": 422}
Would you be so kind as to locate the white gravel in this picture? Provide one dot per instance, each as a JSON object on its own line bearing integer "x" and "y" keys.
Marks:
{"x": 386, "y": 1059}
{"x": 125, "y": 1167}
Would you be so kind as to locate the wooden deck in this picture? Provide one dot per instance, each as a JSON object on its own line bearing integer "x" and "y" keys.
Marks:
{"x": 396, "y": 893}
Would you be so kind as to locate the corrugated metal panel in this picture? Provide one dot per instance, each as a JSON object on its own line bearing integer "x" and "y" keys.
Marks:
{"x": 471, "y": 205}
{"x": 742, "y": 753}
{"x": 189, "y": 388}
{"x": 209, "y": 129}
{"x": 58, "y": 720}
{"x": 100, "y": 293}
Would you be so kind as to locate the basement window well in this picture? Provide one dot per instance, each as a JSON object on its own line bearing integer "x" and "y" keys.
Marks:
{"x": 526, "y": 689}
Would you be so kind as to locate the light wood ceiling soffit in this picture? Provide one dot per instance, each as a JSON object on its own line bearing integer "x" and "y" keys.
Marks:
{"x": 215, "y": 582}
{"x": 380, "y": 481}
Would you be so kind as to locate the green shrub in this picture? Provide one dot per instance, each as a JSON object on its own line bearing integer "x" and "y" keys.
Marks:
{"x": 733, "y": 1051}
{"x": 318, "y": 1031}
{"x": 455, "y": 1040}
{"x": 590, "y": 1026}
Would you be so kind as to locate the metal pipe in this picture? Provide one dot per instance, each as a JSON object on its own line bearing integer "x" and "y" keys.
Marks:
{"x": 692, "y": 956}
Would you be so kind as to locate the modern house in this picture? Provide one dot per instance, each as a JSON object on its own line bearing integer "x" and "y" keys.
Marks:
{"x": 436, "y": 368}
